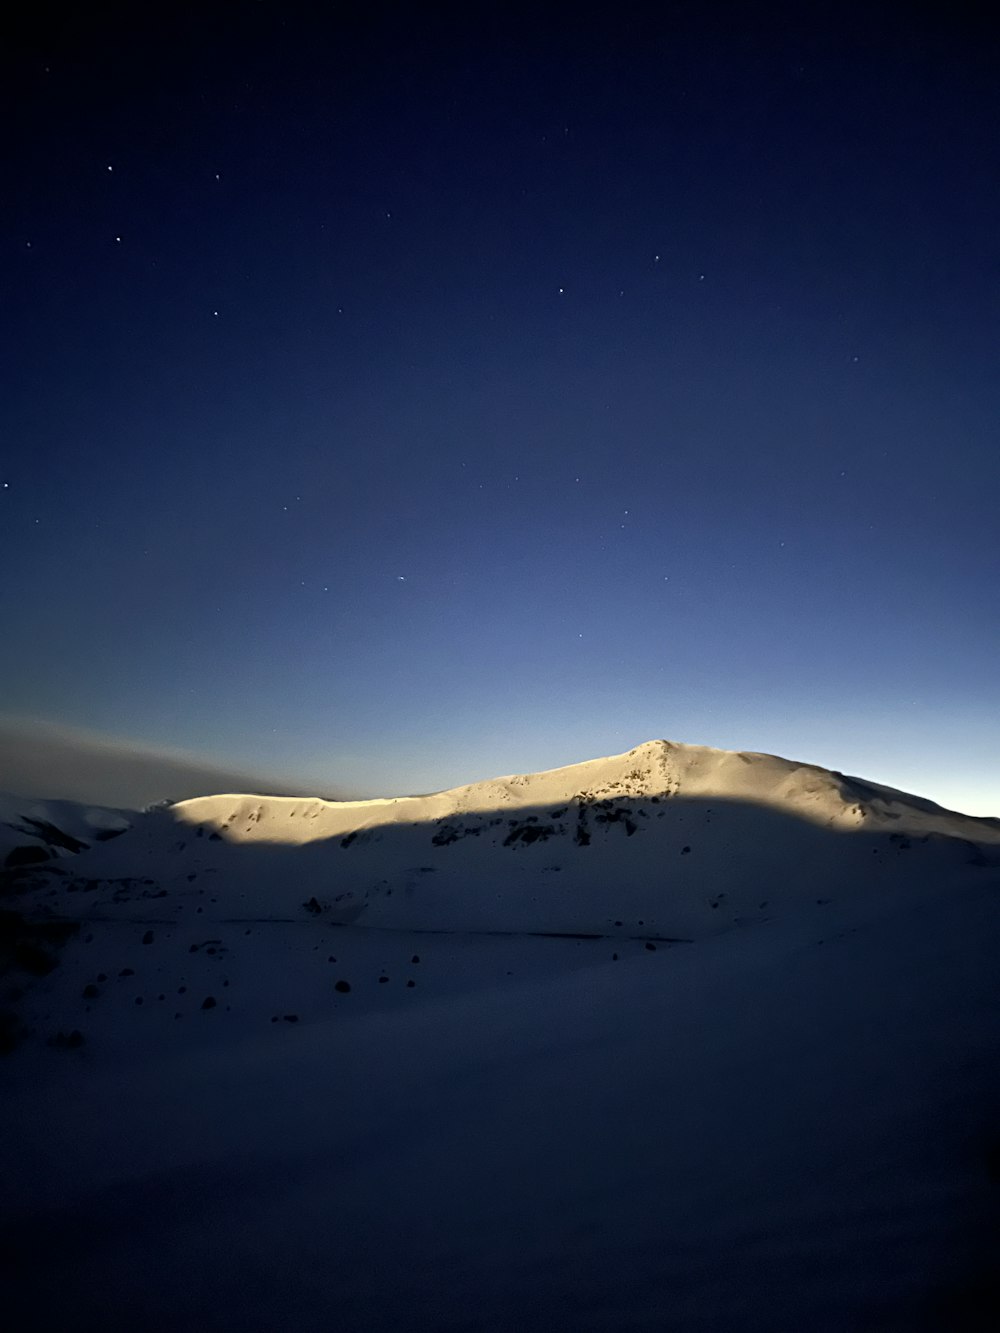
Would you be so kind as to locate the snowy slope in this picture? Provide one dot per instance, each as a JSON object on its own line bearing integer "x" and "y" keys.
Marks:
{"x": 287, "y": 1113}
{"x": 774, "y": 1129}
{"x": 679, "y": 841}
{"x": 55, "y": 828}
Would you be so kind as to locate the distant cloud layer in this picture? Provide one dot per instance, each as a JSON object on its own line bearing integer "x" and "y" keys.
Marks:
{"x": 43, "y": 759}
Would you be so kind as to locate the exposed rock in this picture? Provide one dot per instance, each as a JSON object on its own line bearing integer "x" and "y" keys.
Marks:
{"x": 26, "y": 855}
{"x": 31, "y": 957}
{"x": 67, "y": 1040}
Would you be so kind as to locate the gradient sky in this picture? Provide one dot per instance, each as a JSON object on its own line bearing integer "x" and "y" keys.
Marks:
{"x": 411, "y": 396}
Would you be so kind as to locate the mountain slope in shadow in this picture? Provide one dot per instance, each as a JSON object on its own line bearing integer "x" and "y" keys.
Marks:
{"x": 683, "y": 841}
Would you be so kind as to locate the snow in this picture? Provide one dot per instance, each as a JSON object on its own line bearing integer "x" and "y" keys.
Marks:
{"x": 786, "y": 1121}
{"x": 23, "y": 820}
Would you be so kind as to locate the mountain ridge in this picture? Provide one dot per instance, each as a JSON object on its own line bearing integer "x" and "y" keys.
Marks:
{"x": 683, "y": 841}
{"x": 656, "y": 767}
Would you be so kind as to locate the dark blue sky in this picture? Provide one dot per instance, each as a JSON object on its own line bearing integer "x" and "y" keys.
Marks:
{"x": 404, "y": 397}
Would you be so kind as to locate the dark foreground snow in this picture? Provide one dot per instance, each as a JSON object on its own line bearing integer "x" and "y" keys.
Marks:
{"x": 789, "y": 1126}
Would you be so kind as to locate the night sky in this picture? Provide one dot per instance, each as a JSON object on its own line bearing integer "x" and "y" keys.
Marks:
{"x": 410, "y": 395}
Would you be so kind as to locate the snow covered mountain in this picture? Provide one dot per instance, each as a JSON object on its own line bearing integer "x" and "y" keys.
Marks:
{"x": 33, "y": 831}
{"x": 677, "y": 1039}
{"x": 672, "y": 839}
